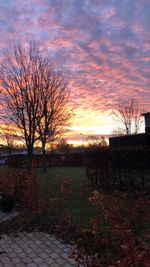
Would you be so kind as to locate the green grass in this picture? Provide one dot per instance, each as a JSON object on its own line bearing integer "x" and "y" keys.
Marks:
{"x": 55, "y": 175}
{"x": 75, "y": 204}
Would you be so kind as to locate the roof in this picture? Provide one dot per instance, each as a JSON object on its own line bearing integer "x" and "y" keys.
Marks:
{"x": 146, "y": 113}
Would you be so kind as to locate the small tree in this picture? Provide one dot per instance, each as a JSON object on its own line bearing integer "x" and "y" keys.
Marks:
{"x": 128, "y": 117}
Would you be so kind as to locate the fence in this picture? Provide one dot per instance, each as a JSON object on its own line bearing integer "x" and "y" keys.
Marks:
{"x": 53, "y": 159}
{"x": 123, "y": 168}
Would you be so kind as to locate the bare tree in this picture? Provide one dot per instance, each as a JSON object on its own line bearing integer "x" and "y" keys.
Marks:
{"x": 34, "y": 95}
{"x": 55, "y": 113}
{"x": 20, "y": 79}
{"x": 128, "y": 117}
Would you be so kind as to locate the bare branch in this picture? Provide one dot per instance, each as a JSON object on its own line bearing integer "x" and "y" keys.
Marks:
{"x": 128, "y": 116}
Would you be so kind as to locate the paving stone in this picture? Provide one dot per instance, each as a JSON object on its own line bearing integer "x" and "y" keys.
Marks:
{"x": 32, "y": 265}
{"x": 49, "y": 261}
{"x": 48, "y": 250}
{"x": 18, "y": 250}
{"x": 44, "y": 265}
{"x": 34, "y": 249}
{"x": 38, "y": 250}
{"x": 38, "y": 260}
{"x": 56, "y": 265}
{"x": 9, "y": 265}
{"x": 60, "y": 260}
{"x": 32, "y": 255}
{"x": 9, "y": 250}
{"x": 21, "y": 255}
{"x": 3, "y": 254}
{"x": 13, "y": 255}
{"x": 5, "y": 260}
{"x": 44, "y": 255}
{"x": 29, "y": 250}
{"x": 20, "y": 265}
{"x": 26, "y": 260}
{"x": 16, "y": 260}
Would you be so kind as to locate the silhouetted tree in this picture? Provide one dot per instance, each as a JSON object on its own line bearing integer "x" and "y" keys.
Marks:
{"x": 55, "y": 113}
{"x": 96, "y": 142}
{"x": 63, "y": 146}
{"x": 34, "y": 95}
{"x": 128, "y": 117}
{"x": 21, "y": 78}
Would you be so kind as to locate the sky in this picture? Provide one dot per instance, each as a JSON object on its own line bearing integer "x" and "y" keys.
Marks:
{"x": 101, "y": 46}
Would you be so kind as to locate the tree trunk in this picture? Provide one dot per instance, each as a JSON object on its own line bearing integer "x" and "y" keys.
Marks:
{"x": 44, "y": 157}
{"x": 29, "y": 159}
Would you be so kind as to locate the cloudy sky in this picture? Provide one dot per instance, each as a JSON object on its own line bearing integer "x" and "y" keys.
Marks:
{"x": 102, "y": 47}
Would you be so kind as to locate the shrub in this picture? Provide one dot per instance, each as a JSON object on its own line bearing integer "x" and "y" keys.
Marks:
{"x": 119, "y": 233}
{"x": 22, "y": 186}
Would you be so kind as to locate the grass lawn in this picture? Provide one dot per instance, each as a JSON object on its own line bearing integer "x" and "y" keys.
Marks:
{"x": 74, "y": 204}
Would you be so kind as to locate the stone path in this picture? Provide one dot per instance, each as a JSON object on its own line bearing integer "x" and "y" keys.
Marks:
{"x": 34, "y": 249}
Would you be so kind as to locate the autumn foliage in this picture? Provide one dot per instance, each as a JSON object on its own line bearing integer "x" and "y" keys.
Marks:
{"x": 22, "y": 186}
{"x": 65, "y": 187}
{"x": 119, "y": 234}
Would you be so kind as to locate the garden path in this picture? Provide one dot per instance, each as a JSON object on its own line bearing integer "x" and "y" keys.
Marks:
{"x": 33, "y": 249}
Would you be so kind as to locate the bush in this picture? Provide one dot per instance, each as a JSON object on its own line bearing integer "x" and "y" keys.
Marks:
{"x": 119, "y": 235}
{"x": 22, "y": 186}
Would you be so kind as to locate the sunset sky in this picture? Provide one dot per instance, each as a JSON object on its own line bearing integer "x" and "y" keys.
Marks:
{"x": 102, "y": 47}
